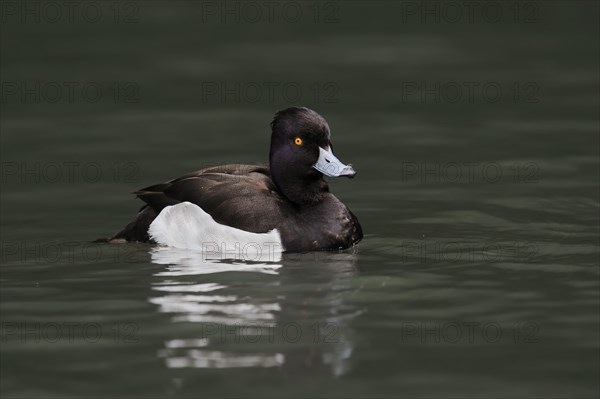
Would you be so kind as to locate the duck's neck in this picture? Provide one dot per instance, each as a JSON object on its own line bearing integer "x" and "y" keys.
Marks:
{"x": 300, "y": 190}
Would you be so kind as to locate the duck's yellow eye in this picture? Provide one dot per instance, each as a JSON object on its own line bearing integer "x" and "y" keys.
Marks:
{"x": 298, "y": 141}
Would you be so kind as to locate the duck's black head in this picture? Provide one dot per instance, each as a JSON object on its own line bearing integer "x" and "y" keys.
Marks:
{"x": 301, "y": 153}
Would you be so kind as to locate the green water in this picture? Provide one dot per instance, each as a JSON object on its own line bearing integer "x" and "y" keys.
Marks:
{"x": 478, "y": 273}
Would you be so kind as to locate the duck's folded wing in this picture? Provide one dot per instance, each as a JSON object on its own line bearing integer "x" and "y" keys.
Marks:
{"x": 241, "y": 196}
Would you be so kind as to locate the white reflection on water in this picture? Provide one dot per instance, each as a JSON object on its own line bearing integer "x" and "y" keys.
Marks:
{"x": 174, "y": 287}
{"x": 180, "y": 298}
{"x": 181, "y": 353}
{"x": 214, "y": 309}
{"x": 184, "y": 262}
{"x": 218, "y": 359}
{"x": 235, "y": 330}
{"x": 186, "y": 343}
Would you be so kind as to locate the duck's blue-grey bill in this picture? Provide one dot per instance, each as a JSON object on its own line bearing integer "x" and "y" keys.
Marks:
{"x": 330, "y": 166}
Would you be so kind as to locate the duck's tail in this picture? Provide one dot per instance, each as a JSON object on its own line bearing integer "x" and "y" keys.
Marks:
{"x": 136, "y": 230}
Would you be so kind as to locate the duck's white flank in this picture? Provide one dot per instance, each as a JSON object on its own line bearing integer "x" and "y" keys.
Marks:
{"x": 188, "y": 226}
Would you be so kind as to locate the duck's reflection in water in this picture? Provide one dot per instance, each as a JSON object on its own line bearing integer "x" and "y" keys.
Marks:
{"x": 276, "y": 311}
